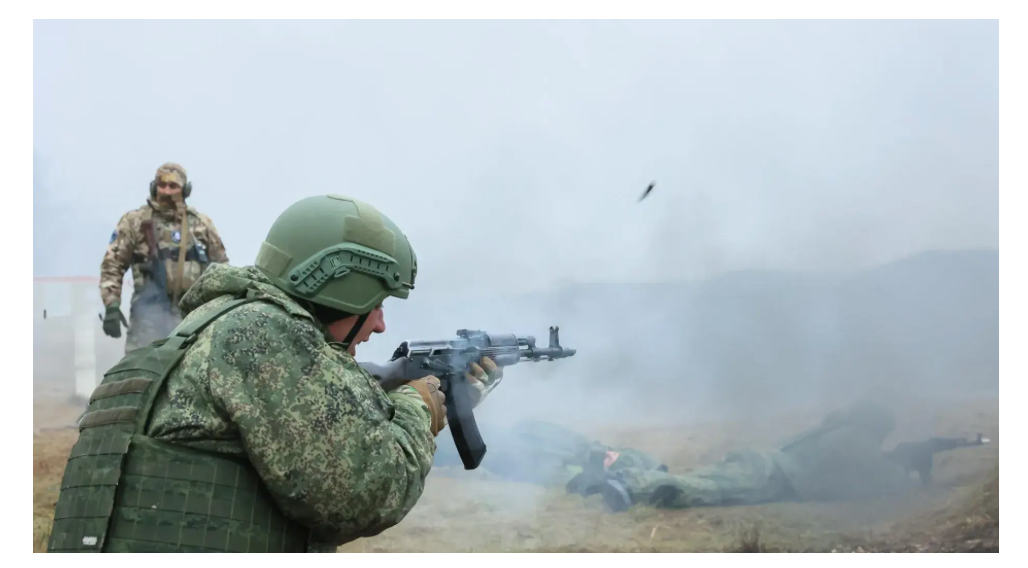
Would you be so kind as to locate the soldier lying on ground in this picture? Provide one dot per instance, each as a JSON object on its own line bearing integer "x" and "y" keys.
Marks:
{"x": 841, "y": 459}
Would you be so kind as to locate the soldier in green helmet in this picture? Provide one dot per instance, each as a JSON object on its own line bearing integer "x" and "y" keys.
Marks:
{"x": 251, "y": 428}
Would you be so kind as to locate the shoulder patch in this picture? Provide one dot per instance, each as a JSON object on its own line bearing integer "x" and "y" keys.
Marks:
{"x": 176, "y": 236}
{"x": 114, "y": 236}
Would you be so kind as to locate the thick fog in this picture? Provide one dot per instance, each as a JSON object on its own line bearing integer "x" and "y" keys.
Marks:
{"x": 805, "y": 173}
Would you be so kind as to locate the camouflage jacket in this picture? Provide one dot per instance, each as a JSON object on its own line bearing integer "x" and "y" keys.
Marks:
{"x": 338, "y": 454}
{"x": 128, "y": 248}
{"x": 841, "y": 461}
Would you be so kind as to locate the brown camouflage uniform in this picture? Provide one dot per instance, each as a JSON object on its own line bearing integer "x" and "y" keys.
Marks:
{"x": 129, "y": 248}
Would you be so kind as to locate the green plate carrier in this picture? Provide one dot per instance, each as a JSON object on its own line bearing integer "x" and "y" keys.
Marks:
{"x": 123, "y": 491}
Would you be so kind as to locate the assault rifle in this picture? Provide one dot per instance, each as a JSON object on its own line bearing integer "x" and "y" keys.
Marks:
{"x": 448, "y": 359}
{"x": 918, "y": 456}
{"x": 152, "y": 303}
{"x": 157, "y": 293}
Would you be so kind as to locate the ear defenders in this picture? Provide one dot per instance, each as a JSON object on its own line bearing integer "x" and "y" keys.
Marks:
{"x": 186, "y": 189}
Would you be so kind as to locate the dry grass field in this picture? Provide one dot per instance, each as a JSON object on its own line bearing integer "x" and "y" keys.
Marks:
{"x": 470, "y": 511}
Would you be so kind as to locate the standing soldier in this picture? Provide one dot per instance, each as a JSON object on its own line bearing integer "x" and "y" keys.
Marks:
{"x": 167, "y": 245}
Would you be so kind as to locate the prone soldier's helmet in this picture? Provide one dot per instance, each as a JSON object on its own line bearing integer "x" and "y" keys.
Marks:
{"x": 872, "y": 417}
{"x": 338, "y": 252}
{"x": 171, "y": 172}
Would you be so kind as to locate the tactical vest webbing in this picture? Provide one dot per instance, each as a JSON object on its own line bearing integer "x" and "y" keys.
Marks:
{"x": 123, "y": 491}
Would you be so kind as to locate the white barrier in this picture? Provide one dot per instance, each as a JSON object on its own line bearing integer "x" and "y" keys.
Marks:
{"x": 70, "y": 351}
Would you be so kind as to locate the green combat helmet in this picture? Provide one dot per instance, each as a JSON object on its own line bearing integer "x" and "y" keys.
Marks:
{"x": 340, "y": 253}
{"x": 123, "y": 491}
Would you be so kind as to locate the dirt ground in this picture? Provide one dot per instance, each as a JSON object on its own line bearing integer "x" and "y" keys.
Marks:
{"x": 471, "y": 512}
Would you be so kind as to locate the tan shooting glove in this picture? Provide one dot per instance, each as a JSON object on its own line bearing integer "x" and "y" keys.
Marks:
{"x": 483, "y": 377}
{"x": 432, "y": 394}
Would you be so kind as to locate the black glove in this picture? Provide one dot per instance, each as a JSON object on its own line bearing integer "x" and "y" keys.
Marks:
{"x": 113, "y": 320}
{"x": 592, "y": 477}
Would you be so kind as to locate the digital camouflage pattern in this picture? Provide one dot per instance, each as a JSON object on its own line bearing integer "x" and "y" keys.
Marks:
{"x": 264, "y": 383}
{"x": 742, "y": 478}
{"x": 128, "y": 249}
{"x": 840, "y": 459}
{"x": 123, "y": 491}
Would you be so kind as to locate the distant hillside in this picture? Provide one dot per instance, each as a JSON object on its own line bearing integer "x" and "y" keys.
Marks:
{"x": 931, "y": 320}
{"x": 923, "y": 326}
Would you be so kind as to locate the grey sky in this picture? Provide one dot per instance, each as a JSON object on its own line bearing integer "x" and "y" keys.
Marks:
{"x": 512, "y": 153}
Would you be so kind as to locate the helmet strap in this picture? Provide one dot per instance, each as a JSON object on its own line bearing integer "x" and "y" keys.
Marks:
{"x": 355, "y": 330}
